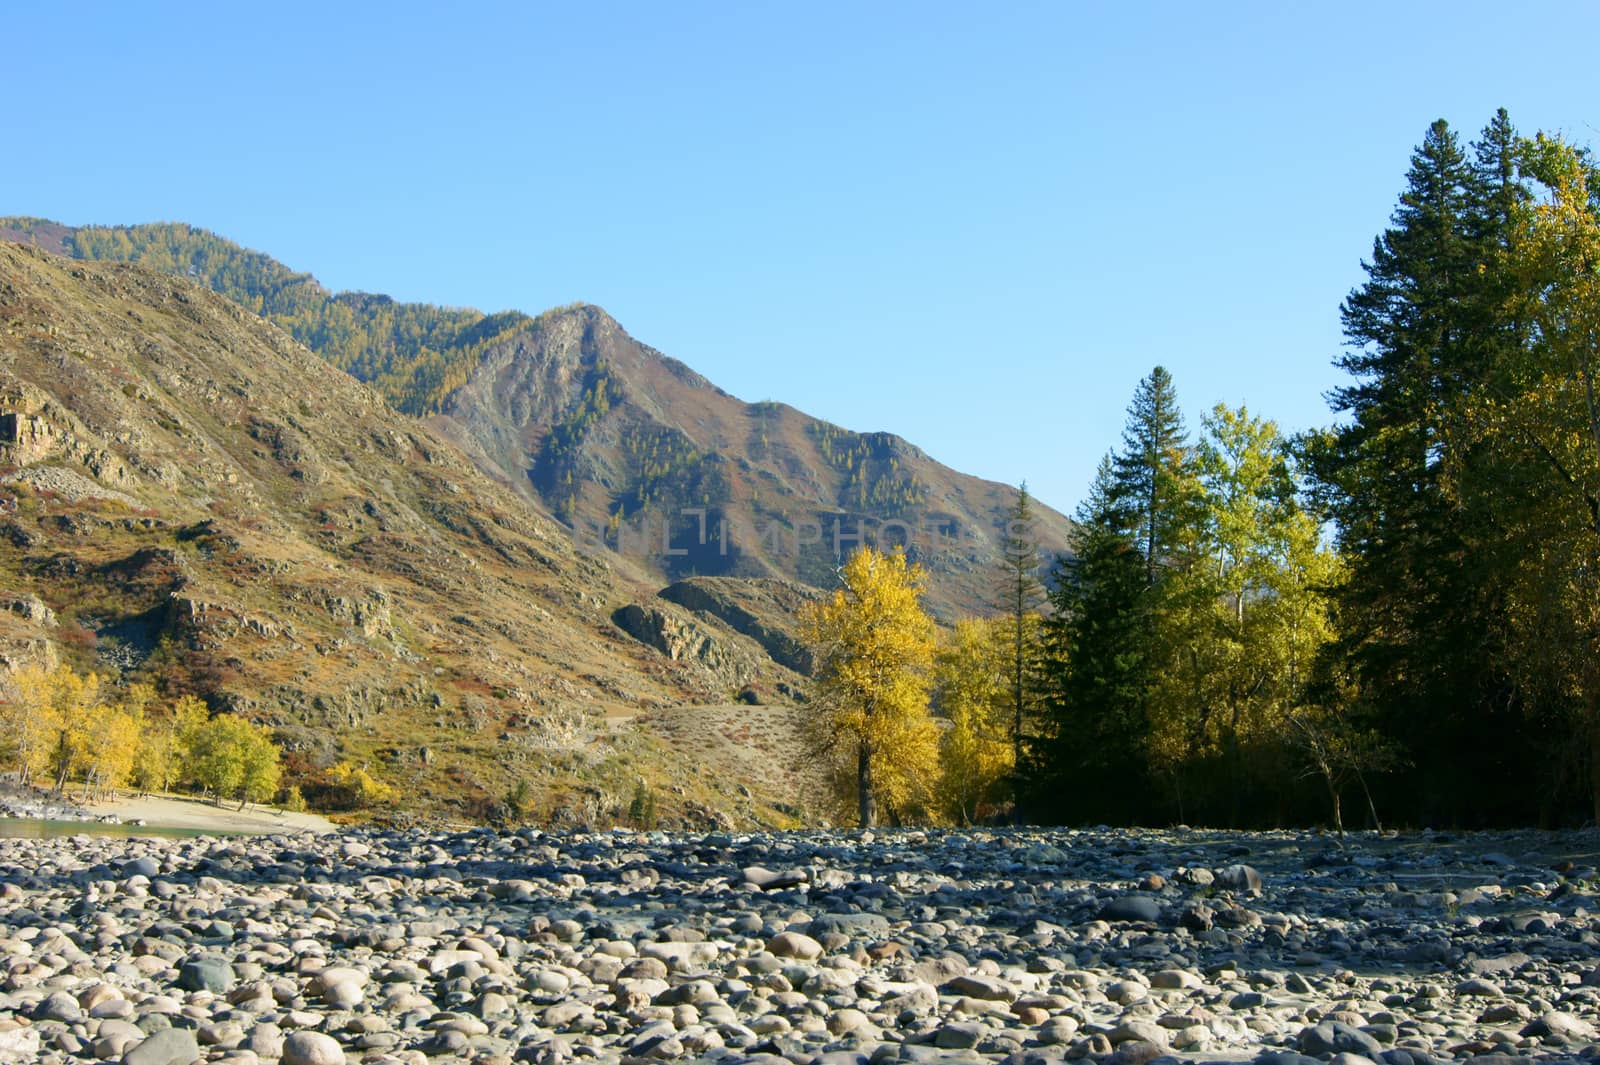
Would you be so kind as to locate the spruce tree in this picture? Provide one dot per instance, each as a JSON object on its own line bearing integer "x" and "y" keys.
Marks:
{"x": 1022, "y": 595}
{"x": 1408, "y": 492}
{"x": 1090, "y": 762}
{"x": 1153, "y": 479}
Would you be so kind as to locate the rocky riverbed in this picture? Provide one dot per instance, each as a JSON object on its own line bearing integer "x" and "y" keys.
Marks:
{"x": 839, "y": 949}
{"x": 39, "y": 805}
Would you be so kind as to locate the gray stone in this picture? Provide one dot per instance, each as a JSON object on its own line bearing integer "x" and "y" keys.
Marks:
{"x": 960, "y": 1035}
{"x": 770, "y": 880}
{"x": 206, "y": 974}
{"x": 147, "y": 867}
{"x": 991, "y": 988}
{"x": 1239, "y": 878}
{"x": 1137, "y": 1052}
{"x": 1560, "y": 1026}
{"x": 1131, "y": 908}
{"x": 173, "y": 1046}
{"x": 59, "y": 1006}
{"x": 1333, "y": 1037}
{"x": 794, "y": 945}
{"x": 312, "y": 1048}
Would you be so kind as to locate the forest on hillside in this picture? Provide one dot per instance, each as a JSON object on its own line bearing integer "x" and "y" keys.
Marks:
{"x": 416, "y": 354}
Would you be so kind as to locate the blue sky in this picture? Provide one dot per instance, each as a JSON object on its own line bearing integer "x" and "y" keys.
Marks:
{"x": 973, "y": 225}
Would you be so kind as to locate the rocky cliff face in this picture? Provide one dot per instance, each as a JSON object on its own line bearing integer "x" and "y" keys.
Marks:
{"x": 764, "y": 610}
{"x": 641, "y": 454}
{"x": 189, "y": 496}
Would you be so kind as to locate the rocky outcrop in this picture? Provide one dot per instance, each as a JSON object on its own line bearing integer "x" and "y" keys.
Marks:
{"x": 25, "y": 436}
{"x": 682, "y": 638}
{"x": 70, "y": 486}
{"x": 766, "y": 610}
{"x": 30, "y": 608}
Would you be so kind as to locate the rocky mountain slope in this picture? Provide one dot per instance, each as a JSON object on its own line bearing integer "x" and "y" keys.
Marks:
{"x": 625, "y": 446}
{"x": 188, "y": 495}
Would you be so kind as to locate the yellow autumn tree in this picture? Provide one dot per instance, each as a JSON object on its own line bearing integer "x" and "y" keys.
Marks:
{"x": 234, "y": 758}
{"x": 873, "y": 645}
{"x": 974, "y": 693}
{"x": 29, "y": 722}
{"x": 76, "y": 702}
{"x": 356, "y": 788}
{"x": 167, "y": 743}
{"x": 113, "y": 742}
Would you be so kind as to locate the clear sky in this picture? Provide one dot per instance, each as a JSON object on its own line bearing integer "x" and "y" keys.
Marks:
{"x": 975, "y": 225}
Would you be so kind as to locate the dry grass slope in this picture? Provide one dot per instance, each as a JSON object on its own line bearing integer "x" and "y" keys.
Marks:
{"x": 271, "y": 533}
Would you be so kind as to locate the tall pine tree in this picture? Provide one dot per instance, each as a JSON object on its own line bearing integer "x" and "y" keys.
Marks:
{"x": 1154, "y": 481}
{"x": 1021, "y": 597}
{"x": 1418, "y": 610}
{"x": 1104, "y": 642}
{"x": 1090, "y": 764}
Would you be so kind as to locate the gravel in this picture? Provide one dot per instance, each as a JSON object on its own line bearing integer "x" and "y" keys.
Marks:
{"x": 1026, "y": 947}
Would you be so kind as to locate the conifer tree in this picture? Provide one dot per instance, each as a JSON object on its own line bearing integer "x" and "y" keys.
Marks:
{"x": 1094, "y": 668}
{"x": 1023, "y": 595}
{"x": 1414, "y": 504}
{"x": 1153, "y": 479}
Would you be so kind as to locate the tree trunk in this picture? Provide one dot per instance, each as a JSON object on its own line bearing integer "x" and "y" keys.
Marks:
{"x": 1372, "y": 808}
{"x": 867, "y": 801}
{"x": 1594, "y": 758}
{"x": 1338, "y": 809}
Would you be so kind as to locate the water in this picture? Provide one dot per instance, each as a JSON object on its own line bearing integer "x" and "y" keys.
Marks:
{"x": 31, "y": 828}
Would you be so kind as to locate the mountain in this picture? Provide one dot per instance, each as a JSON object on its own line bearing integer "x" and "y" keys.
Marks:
{"x": 626, "y": 447}
{"x": 188, "y": 495}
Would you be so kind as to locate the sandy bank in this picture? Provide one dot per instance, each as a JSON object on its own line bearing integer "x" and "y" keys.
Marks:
{"x": 173, "y": 812}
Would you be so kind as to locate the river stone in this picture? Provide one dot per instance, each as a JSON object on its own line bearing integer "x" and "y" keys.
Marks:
{"x": 59, "y": 1006}
{"x": 19, "y": 1045}
{"x": 849, "y": 924}
{"x": 769, "y": 880}
{"x": 1131, "y": 908}
{"x": 266, "y": 1040}
{"x": 794, "y": 945}
{"x": 1137, "y": 1052}
{"x": 172, "y": 1046}
{"x": 312, "y": 1048}
{"x": 1239, "y": 878}
{"x": 1332, "y": 1037}
{"x": 206, "y": 974}
{"x": 959, "y": 1035}
{"x": 1559, "y": 1025}
{"x": 991, "y": 988}
{"x": 146, "y": 867}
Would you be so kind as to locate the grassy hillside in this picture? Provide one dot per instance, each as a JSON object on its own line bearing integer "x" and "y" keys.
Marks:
{"x": 190, "y": 497}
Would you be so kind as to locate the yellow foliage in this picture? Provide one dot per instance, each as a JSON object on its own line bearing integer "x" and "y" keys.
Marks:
{"x": 359, "y": 788}
{"x": 167, "y": 745}
{"x": 59, "y": 722}
{"x": 235, "y": 758}
{"x": 874, "y": 645}
{"x": 974, "y": 692}
{"x": 29, "y": 722}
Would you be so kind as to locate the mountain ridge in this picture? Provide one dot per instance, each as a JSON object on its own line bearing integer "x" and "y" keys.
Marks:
{"x": 188, "y": 496}
{"x": 609, "y": 434}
